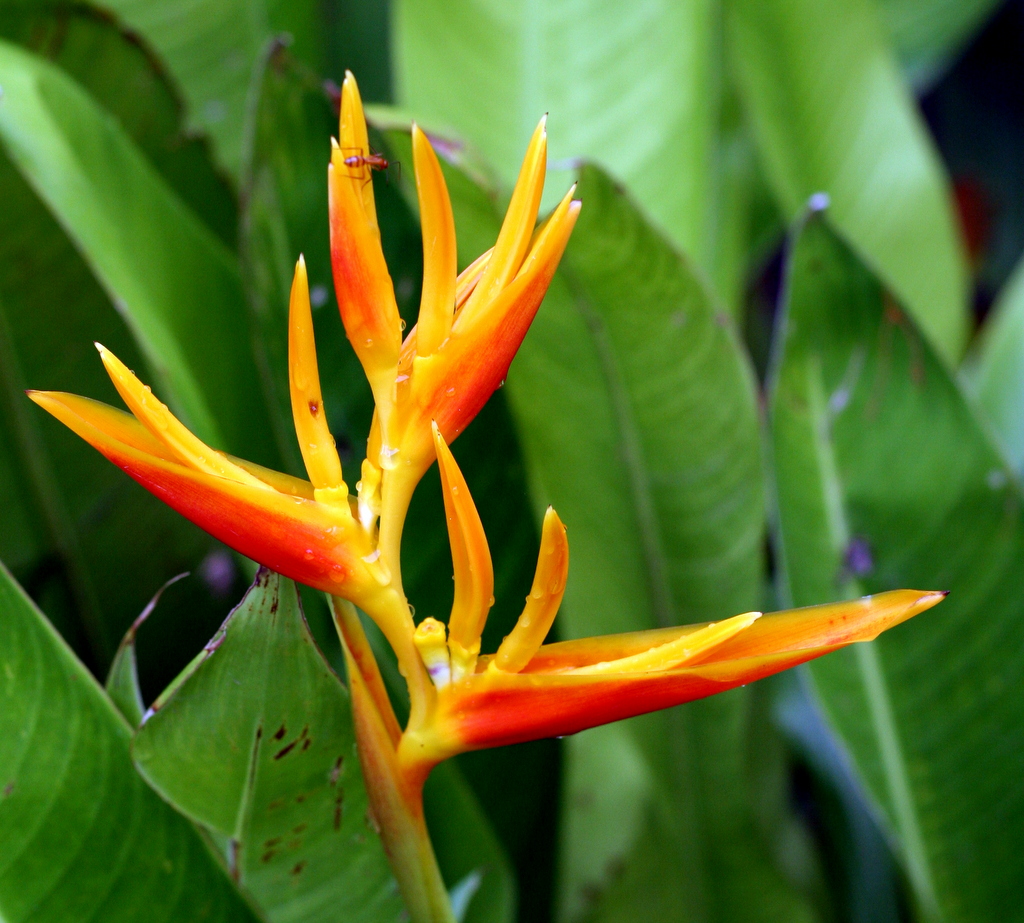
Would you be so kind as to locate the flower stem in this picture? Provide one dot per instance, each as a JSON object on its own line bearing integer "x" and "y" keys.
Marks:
{"x": 396, "y": 800}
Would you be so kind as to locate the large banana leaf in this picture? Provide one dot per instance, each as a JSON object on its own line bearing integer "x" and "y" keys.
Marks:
{"x": 884, "y": 479}
{"x": 830, "y": 114}
{"x": 632, "y": 88}
{"x": 82, "y": 837}
{"x": 176, "y": 285}
{"x": 126, "y": 80}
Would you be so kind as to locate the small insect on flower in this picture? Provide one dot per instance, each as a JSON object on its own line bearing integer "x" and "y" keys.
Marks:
{"x": 374, "y": 160}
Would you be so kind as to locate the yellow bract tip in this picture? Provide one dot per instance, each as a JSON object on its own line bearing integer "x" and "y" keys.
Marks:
{"x": 315, "y": 440}
{"x": 154, "y": 415}
{"x": 517, "y": 228}
{"x": 542, "y": 604}
{"x": 682, "y": 651}
{"x": 471, "y": 559}
{"x": 353, "y": 141}
{"x": 440, "y": 258}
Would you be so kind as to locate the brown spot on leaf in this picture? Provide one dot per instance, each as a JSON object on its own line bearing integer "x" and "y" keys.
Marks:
{"x": 280, "y": 732}
{"x": 8, "y": 788}
{"x": 306, "y": 743}
{"x": 299, "y": 828}
{"x": 299, "y": 799}
{"x": 337, "y": 810}
{"x": 268, "y": 855}
{"x": 285, "y": 750}
{"x": 275, "y": 804}
{"x": 272, "y": 842}
{"x": 336, "y": 770}
{"x": 299, "y": 866}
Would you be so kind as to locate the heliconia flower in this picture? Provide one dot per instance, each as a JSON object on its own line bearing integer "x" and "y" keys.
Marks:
{"x": 427, "y": 388}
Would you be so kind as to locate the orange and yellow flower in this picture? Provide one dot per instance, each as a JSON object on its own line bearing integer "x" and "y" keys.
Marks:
{"x": 427, "y": 388}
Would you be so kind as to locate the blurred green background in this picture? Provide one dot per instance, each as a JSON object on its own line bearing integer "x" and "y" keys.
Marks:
{"x": 783, "y": 362}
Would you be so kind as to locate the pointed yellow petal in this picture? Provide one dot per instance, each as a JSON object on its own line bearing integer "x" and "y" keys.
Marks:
{"x": 154, "y": 415}
{"x": 471, "y": 558}
{"x": 553, "y": 234}
{"x": 73, "y": 410}
{"x": 542, "y": 604}
{"x": 684, "y": 650}
{"x": 517, "y": 229}
{"x": 353, "y": 141}
{"x": 440, "y": 259}
{"x": 315, "y": 439}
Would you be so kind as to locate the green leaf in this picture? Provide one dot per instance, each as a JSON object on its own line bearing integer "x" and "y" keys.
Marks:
{"x": 994, "y": 372}
{"x": 131, "y": 85}
{"x": 214, "y": 48}
{"x": 885, "y": 479}
{"x": 255, "y": 740}
{"x": 645, "y": 110}
{"x": 830, "y": 114}
{"x": 81, "y": 835}
{"x": 928, "y": 34}
{"x": 175, "y": 284}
